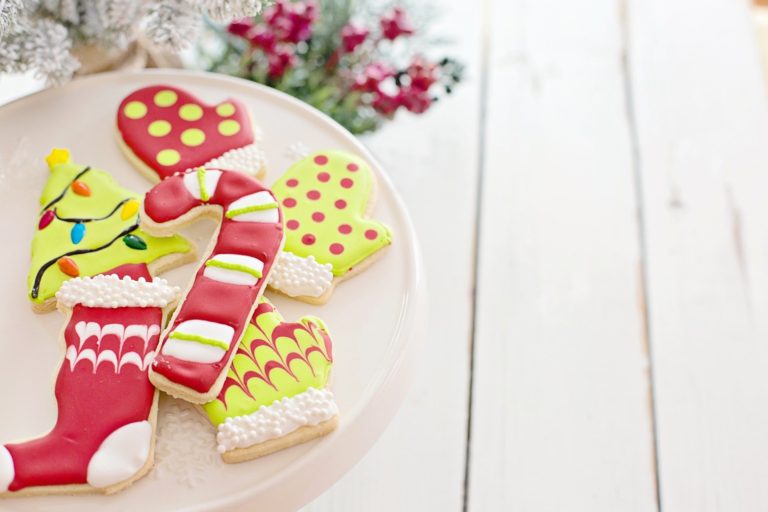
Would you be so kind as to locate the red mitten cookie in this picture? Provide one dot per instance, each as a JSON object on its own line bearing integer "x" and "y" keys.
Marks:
{"x": 165, "y": 130}
{"x": 103, "y": 439}
{"x": 197, "y": 348}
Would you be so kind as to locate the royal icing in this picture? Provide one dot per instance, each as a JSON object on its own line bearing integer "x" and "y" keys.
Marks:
{"x": 109, "y": 291}
{"x": 296, "y": 276}
{"x": 276, "y": 382}
{"x": 278, "y": 419}
{"x": 103, "y": 433}
{"x": 324, "y": 199}
{"x": 169, "y": 131}
{"x": 84, "y": 234}
{"x": 228, "y": 283}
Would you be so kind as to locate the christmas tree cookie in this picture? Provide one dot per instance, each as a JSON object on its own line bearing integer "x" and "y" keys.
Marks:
{"x": 87, "y": 225}
{"x": 275, "y": 394}
{"x": 326, "y": 199}
{"x": 164, "y": 130}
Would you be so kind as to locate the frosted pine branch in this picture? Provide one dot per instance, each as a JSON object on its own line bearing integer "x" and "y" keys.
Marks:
{"x": 172, "y": 23}
{"x": 39, "y": 34}
{"x": 227, "y": 10}
{"x": 9, "y": 13}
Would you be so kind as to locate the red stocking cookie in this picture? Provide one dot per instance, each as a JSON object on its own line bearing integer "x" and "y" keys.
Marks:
{"x": 326, "y": 198}
{"x": 103, "y": 439}
{"x": 165, "y": 130}
{"x": 197, "y": 347}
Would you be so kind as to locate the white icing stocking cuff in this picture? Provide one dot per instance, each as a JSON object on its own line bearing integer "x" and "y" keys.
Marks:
{"x": 278, "y": 419}
{"x": 297, "y": 277}
{"x": 109, "y": 291}
{"x": 248, "y": 159}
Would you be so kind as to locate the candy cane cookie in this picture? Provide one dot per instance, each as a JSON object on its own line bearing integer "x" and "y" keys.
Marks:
{"x": 164, "y": 130}
{"x": 275, "y": 394}
{"x": 103, "y": 439}
{"x": 197, "y": 347}
{"x": 326, "y": 199}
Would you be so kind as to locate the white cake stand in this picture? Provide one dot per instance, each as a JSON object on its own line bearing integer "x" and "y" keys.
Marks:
{"x": 376, "y": 318}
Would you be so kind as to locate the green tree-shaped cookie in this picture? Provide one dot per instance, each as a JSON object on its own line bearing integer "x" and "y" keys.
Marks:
{"x": 87, "y": 225}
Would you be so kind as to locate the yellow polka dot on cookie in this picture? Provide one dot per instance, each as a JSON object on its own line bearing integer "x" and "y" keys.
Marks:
{"x": 159, "y": 128}
{"x": 190, "y": 112}
{"x": 165, "y": 98}
{"x": 135, "y": 110}
{"x": 229, "y": 127}
{"x": 192, "y": 137}
{"x": 225, "y": 109}
{"x": 168, "y": 157}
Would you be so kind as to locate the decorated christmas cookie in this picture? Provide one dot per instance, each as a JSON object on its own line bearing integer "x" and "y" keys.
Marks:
{"x": 197, "y": 348}
{"x": 275, "y": 393}
{"x": 325, "y": 199}
{"x": 165, "y": 130}
{"x": 88, "y": 225}
{"x": 103, "y": 439}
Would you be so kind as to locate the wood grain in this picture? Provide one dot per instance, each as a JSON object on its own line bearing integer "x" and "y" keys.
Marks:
{"x": 702, "y": 121}
{"x": 561, "y": 417}
{"x": 433, "y": 159}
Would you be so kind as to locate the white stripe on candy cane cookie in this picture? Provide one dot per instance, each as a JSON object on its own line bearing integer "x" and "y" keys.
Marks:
{"x": 234, "y": 269}
{"x": 258, "y": 207}
{"x": 202, "y": 183}
{"x": 199, "y": 341}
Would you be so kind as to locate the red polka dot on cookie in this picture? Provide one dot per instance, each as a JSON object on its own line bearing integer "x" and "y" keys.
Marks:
{"x": 292, "y": 183}
{"x": 289, "y": 202}
{"x": 352, "y": 167}
{"x": 318, "y": 216}
{"x": 313, "y": 194}
{"x": 292, "y": 224}
{"x": 347, "y": 183}
{"x": 336, "y": 248}
{"x": 321, "y": 159}
{"x": 340, "y": 204}
{"x": 371, "y": 234}
{"x": 308, "y": 239}
{"x": 345, "y": 229}
{"x": 323, "y": 176}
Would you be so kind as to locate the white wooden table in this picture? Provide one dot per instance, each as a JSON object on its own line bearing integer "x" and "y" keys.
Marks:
{"x": 593, "y": 211}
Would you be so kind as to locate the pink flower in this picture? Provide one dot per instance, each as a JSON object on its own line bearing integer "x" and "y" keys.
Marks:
{"x": 372, "y": 76}
{"x": 395, "y": 24}
{"x": 422, "y": 73}
{"x": 280, "y": 60}
{"x": 386, "y": 104}
{"x": 240, "y": 27}
{"x": 262, "y": 37}
{"x": 352, "y": 36}
{"x": 415, "y": 100}
{"x": 291, "y": 22}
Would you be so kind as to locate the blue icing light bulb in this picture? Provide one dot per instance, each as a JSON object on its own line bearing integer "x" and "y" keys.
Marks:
{"x": 77, "y": 233}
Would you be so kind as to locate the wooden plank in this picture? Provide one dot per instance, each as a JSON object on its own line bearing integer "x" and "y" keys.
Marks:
{"x": 418, "y": 464}
{"x": 702, "y": 120}
{"x": 561, "y": 414}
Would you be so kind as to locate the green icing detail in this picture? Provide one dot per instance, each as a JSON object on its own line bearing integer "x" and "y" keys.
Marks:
{"x": 198, "y": 339}
{"x": 355, "y": 244}
{"x": 270, "y": 342}
{"x": 201, "y": 182}
{"x": 249, "y": 209}
{"x": 234, "y": 266}
{"x": 53, "y": 241}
